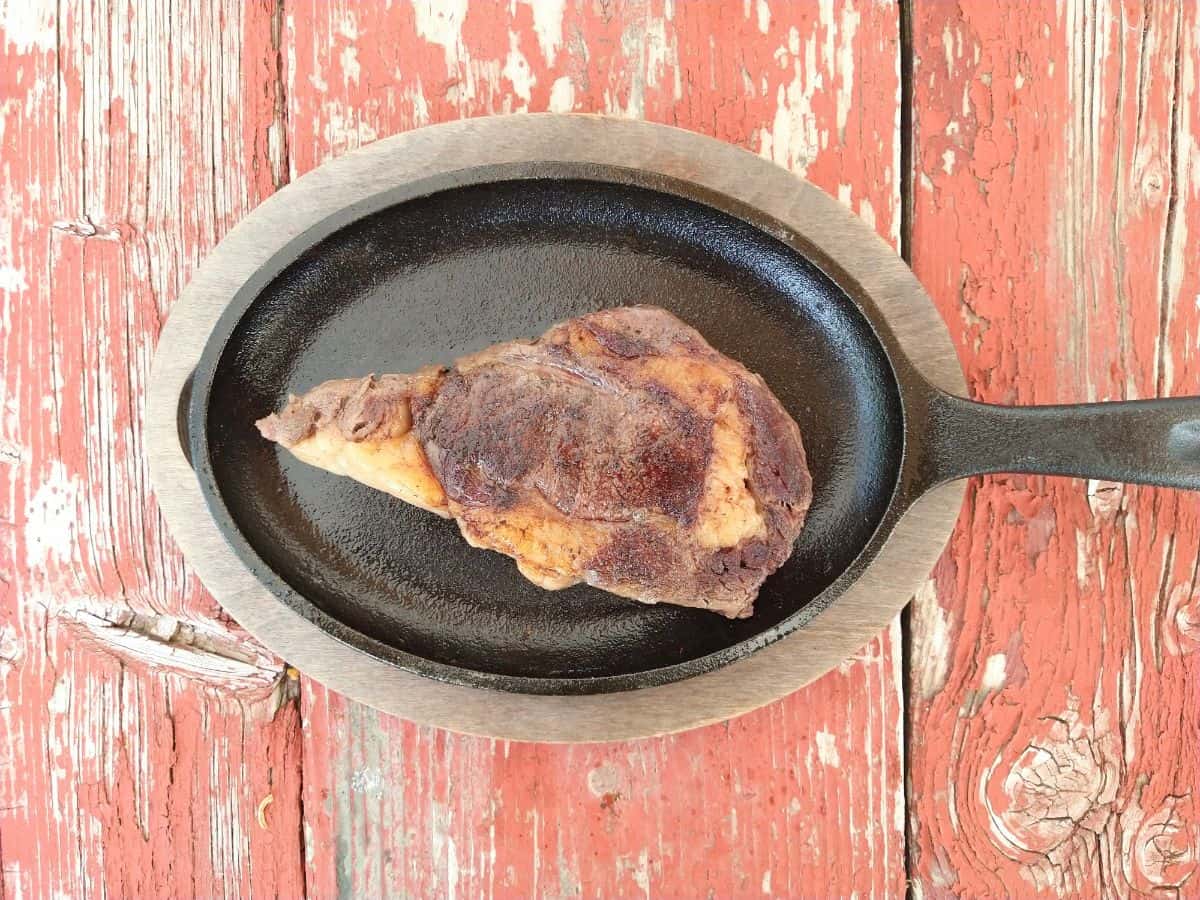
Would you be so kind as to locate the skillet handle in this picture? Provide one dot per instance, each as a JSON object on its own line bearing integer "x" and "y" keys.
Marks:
{"x": 1139, "y": 441}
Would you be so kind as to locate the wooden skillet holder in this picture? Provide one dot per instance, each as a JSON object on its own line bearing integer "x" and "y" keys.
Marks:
{"x": 835, "y": 237}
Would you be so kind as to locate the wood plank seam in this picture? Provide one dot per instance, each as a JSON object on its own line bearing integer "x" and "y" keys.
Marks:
{"x": 905, "y": 180}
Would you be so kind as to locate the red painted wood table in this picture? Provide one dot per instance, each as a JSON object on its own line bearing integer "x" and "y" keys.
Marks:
{"x": 1035, "y": 728}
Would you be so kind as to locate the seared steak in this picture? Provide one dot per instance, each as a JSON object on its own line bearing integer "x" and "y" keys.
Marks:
{"x": 619, "y": 449}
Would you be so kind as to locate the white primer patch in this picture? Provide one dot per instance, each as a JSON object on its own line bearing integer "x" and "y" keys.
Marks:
{"x": 12, "y": 280}
{"x": 60, "y": 697}
{"x": 562, "y": 95}
{"x": 763, "y": 14}
{"x": 350, "y": 67}
{"x": 931, "y": 643}
{"x": 50, "y": 517}
{"x": 516, "y": 69}
{"x": 440, "y": 22}
{"x": 548, "y": 25}
{"x": 827, "y": 750}
{"x": 844, "y": 67}
{"x": 368, "y": 782}
{"x": 604, "y": 779}
{"x": 27, "y": 25}
{"x": 994, "y": 674}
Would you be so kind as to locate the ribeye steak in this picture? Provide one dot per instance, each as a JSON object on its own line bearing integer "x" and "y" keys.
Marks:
{"x": 619, "y": 449}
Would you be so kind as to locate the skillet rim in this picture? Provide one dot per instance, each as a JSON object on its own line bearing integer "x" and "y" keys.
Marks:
{"x": 861, "y": 263}
{"x": 221, "y": 341}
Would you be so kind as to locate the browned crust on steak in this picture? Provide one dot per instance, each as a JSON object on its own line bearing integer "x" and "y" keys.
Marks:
{"x": 371, "y": 408}
{"x": 619, "y": 425}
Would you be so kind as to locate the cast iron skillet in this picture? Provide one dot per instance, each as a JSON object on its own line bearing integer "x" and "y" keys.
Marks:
{"x": 432, "y": 244}
{"x": 505, "y": 257}
{"x": 504, "y": 252}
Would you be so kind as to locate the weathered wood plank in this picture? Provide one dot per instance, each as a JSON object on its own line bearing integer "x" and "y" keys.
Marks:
{"x": 140, "y": 730}
{"x": 1055, "y": 674}
{"x": 807, "y": 792}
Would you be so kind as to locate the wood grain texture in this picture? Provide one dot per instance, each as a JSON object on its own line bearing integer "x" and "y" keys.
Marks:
{"x": 1055, "y": 673}
{"x": 804, "y": 792}
{"x": 1055, "y": 666}
{"x": 140, "y": 730}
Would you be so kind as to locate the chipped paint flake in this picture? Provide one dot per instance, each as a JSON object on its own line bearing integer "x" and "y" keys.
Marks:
{"x": 440, "y": 22}
{"x": 27, "y": 25}
{"x": 350, "y": 67}
{"x": 516, "y": 70}
{"x": 795, "y": 138}
{"x": 51, "y": 519}
{"x": 994, "y": 672}
{"x": 368, "y": 781}
{"x": 843, "y": 71}
{"x": 12, "y": 280}
{"x": 1082, "y": 557}
{"x": 562, "y": 95}
{"x": 866, "y": 211}
{"x": 60, "y": 698}
{"x": 827, "y": 750}
{"x": 604, "y": 780}
{"x": 548, "y": 26}
{"x": 762, "y": 12}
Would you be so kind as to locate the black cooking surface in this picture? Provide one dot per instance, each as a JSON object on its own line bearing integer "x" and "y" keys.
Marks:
{"x": 430, "y": 279}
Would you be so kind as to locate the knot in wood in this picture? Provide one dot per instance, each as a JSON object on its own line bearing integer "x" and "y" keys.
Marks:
{"x": 1059, "y": 783}
{"x": 1163, "y": 850}
{"x": 1181, "y": 624}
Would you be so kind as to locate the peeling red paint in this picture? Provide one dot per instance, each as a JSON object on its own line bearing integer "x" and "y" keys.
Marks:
{"x": 1055, "y": 667}
{"x": 1056, "y": 197}
{"x": 130, "y": 145}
